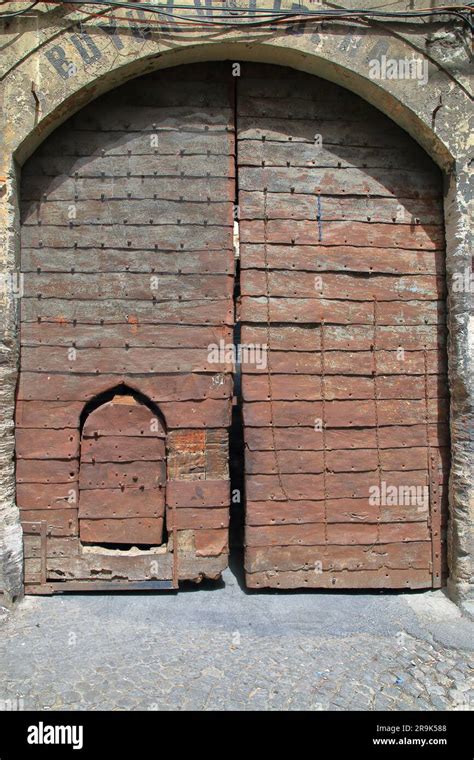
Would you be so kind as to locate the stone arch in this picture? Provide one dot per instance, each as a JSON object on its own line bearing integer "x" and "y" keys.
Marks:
{"x": 351, "y": 72}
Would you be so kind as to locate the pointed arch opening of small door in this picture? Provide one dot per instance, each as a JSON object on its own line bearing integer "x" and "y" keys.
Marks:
{"x": 122, "y": 471}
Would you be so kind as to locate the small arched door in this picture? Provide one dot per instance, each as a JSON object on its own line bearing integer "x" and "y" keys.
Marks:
{"x": 122, "y": 475}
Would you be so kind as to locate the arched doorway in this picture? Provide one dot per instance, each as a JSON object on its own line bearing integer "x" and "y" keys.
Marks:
{"x": 340, "y": 227}
{"x": 122, "y": 474}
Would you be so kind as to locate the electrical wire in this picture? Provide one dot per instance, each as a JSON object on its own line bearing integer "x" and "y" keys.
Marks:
{"x": 233, "y": 16}
{"x": 236, "y": 11}
{"x": 21, "y": 12}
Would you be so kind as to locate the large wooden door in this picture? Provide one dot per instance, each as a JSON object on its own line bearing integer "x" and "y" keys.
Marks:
{"x": 342, "y": 257}
{"x": 127, "y": 254}
{"x": 127, "y": 258}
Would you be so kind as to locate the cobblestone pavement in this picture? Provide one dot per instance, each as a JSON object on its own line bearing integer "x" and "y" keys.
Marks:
{"x": 220, "y": 648}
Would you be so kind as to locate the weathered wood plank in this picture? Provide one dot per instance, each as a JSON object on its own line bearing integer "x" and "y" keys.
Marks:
{"x": 147, "y": 118}
{"x": 348, "y": 510}
{"x": 46, "y": 444}
{"x": 311, "y": 310}
{"x": 145, "y": 566}
{"x": 92, "y": 260}
{"x": 412, "y": 459}
{"x": 117, "y": 503}
{"x": 211, "y": 543}
{"x": 59, "y": 522}
{"x": 72, "y": 189}
{"x": 340, "y": 181}
{"x": 367, "y": 133}
{"x": 349, "y": 363}
{"x": 336, "y": 558}
{"x": 48, "y": 414}
{"x": 402, "y": 459}
{"x": 359, "y": 234}
{"x": 55, "y": 547}
{"x": 198, "y": 493}
{"x": 342, "y": 286}
{"x": 158, "y": 388}
{"x": 339, "y": 156}
{"x": 338, "y": 485}
{"x": 39, "y": 496}
{"x": 120, "y": 336}
{"x": 57, "y": 415}
{"x": 199, "y": 518}
{"x": 361, "y": 511}
{"x": 309, "y": 387}
{"x": 122, "y": 449}
{"x": 264, "y": 513}
{"x": 127, "y": 285}
{"x": 74, "y": 143}
{"x": 255, "y": 205}
{"x": 154, "y": 212}
{"x": 172, "y": 237}
{"x": 127, "y": 362}
{"x": 304, "y": 100}
{"x": 47, "y": 471}
{"x": 307, "y": 439}
{"x": 120, "y": 360}
{"x": 412, "y": 578}
{"x": 121, "y": 311}
{"x": 313, "y": 534}
{"x": 133, "y": 530}
{"x": 117, "y": 475}
{"x": 340, "y": 414}
{"x": 342, "y": 258}
{"x": 345, "y": 337}
{"x": 157, "y": 166}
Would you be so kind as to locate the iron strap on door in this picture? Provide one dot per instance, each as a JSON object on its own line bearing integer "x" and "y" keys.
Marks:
{"x": 433, "y": 487}
{"x": 323, "y": 428}
{"x": 376, "y": 413}
{"x": 175, "y": 578}
{"x": 269, "y": 347}
{"x": 39, "y": 528}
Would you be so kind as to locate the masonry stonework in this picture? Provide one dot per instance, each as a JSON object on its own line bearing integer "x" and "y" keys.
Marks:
{"x": 60, "y": 58}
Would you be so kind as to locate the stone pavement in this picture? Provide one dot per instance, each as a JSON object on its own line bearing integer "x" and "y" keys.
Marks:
{"x": 218, "y": 647}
